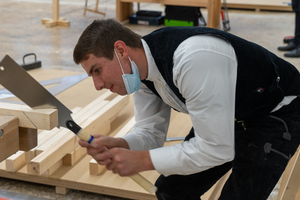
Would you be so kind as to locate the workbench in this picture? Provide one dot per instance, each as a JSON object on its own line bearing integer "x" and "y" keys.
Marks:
{"x": 124, "y": 8}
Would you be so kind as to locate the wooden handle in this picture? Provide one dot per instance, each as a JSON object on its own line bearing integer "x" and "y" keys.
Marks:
{"x": 139, "y": 179}
{"x": 144, "y": 183}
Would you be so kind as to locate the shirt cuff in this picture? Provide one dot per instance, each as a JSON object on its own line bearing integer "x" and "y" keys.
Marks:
{"x": 164, "y": 161}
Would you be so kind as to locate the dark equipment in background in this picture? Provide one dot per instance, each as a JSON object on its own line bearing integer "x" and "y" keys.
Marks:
{"x": 32, "y": 65}
{"x": 183, "y": 16}
{"x": 225, "y": 17}
{"x": 146, "y": 17}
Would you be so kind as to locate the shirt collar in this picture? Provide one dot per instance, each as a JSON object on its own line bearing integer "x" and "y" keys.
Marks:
{"x": 152, "y": 68}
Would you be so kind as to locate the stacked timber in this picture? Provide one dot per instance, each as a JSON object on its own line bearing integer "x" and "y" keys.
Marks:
{"x": 59, "y": 146}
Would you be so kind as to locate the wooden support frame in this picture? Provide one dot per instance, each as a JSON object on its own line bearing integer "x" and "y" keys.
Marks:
{"x": 56, "y": 20}
{"x": 93, "y": 10}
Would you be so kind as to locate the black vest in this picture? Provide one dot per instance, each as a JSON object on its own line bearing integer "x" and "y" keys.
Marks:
{"x": 263, "y": 79}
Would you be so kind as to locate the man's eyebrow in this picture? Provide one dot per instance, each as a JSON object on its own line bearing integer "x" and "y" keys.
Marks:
{"x": 92, "y": 69}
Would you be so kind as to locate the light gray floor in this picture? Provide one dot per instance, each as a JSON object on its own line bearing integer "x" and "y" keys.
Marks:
{"x": 21, "y": 32}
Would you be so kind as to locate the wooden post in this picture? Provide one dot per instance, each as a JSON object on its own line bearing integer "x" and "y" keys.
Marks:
{"x": 213, "y": 13}
{"x": 93, "y": 10}
{"x": 27, "y": 138}
{"x": 56, "y": 20}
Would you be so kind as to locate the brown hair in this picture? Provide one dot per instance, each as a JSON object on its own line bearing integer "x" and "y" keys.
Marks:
{"x": 99, "y": 38}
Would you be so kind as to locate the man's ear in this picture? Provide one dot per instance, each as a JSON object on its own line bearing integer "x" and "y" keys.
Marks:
{"x": 121, "y": 48}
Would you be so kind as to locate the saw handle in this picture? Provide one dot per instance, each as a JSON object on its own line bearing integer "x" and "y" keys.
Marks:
{"x": 85, "y": 136}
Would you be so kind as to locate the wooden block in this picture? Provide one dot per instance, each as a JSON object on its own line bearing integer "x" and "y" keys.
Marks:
{"x": 29, "y": 155}
{"x": 71, "y": 158}
{"x": 61, "y": 190}
{"x": 45, "y": 119}
{"x": 27, "y": 138}
{"x": 9, "y": 141}
{"x": 95, "y": 169}
{"x": 15, "y": 162}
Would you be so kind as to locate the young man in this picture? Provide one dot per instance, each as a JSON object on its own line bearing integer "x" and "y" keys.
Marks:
{"x": 242, "y": 100}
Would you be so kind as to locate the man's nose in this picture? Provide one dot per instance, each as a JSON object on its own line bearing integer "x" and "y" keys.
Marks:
{"x": 98, "y": 83}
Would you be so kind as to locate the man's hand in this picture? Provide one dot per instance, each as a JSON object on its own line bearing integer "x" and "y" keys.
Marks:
{"x": 126, "y": 162}
{"x": 114, "y": 153}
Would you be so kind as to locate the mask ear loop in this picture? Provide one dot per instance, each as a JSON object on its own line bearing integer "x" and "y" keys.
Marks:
{"x": 119, "y": 61}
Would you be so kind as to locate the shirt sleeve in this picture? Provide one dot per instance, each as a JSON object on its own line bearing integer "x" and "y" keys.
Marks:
{"x": 152, "y": 118}
{"x": 205, "y": 74}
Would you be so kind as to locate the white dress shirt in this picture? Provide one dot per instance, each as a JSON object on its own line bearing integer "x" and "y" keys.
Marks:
{"x": 204, "y": 71}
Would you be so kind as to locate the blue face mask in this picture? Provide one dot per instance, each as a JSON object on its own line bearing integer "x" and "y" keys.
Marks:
{"x": 132, "y": 81}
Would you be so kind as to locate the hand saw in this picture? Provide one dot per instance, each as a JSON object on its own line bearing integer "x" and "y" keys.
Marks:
{"x": 15, "y": 79}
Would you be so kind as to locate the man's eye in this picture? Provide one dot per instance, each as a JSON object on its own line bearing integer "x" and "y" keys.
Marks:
{"x": 97, "y": 71}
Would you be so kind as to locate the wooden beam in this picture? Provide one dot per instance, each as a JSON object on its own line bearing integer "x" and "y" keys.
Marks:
{"x": 27, "y": 138}
{"x": 290, "y": 181}
{"x": 45, "y": 119}
{"x": 9, "y": 136}
{"x": 15, "y": 162}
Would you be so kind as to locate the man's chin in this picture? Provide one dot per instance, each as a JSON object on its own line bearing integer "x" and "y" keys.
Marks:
{"x": 121, "y": 93}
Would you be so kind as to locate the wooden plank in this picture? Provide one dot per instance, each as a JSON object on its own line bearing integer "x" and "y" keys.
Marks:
{"x": 9, "y": 140}
{"x": 27, "y": 138}
{"x": 290, "y": 184}
{"x": 45, "y": 119}
{"x": 215, "y": 191}
{"x": 276, "y": 5}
